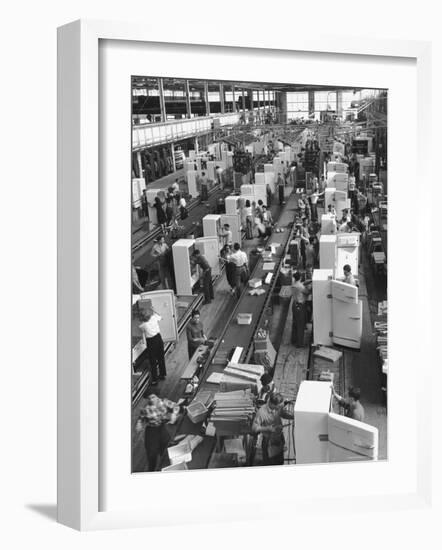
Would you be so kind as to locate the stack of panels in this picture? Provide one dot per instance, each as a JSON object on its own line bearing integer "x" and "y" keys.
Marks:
{"x": 233, "y": 413}
{"x": 241, "y": 377}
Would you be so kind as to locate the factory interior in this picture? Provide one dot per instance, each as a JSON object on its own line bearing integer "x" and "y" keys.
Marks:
{"x": 259, "y": 274}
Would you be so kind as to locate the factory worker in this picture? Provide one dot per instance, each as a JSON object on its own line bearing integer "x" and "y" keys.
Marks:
{"x": 268, "y": 423}
{"x": 150, "y": 330}
{"x": 195, "y": 333}
{"x": 153, "y": 419}
{"x": 352, "y": 406}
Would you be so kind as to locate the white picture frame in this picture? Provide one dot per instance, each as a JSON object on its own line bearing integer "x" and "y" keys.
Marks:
{"x": 80, "y": 293}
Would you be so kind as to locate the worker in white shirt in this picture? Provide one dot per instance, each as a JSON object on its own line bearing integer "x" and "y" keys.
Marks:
{"x": 150, "y": 330}
{"x": 241, "y": 262}
{"x": 204, "y": 183}
{"x": 175, "y": 187}
{"x": 219, "y": 176}
{"x": 314, "y": 201}
{"x": 331, "y": 210}
{"x": 226, "y": 235}
{"x": 348, "y": 276}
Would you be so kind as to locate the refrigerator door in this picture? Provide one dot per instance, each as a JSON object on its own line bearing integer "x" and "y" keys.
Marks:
{"x": 344, "y": 292}
{"x": 209, "y": 247}
{"x": 347, "y": 323}
{"x": 163, "y": 303}
{"x": 322, "y": 307}
{"x": 351, "y": 440}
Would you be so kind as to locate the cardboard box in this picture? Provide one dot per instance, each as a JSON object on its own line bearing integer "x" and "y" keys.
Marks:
{"x": 196, "y": 412}
{"x": 244, "y": 318}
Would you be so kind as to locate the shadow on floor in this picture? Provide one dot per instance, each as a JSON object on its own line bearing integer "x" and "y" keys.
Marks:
{"x": 48, "y": 511}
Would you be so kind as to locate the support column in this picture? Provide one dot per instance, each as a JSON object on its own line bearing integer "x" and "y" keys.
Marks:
{"x": 206, "y": 98}
{"x": 233, "y": 99}
{"x": 243, "y": 99}
{"x": 188, "y": 107}
{"x": 196, "y": 146}
{"x": 139, "y": 163}
{"x": 172, "y": 154}
{"x": 252, "y": 117}
{"x": 259, "y": 105}
{"x": 283, "y": 114}
{"x": 339, "y": 103}
{"x": 221, "y": 98}
{"x": 162, "y": 102}
{"x": 311, "y": 103}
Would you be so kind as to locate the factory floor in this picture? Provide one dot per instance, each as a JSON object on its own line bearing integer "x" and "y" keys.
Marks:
{"x": 361, "y": 367}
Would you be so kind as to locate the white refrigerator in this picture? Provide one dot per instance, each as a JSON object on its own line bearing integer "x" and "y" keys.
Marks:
{"x": 322, "y": 436}
{"x": 347, "y": 252}
{"x": 322, "y": 307}
{"x": 337, "y": 311}
{"x": 235, "y": 226}
{"x": 209, "y": 248}
{"x": 186, "y": 274}
{"x": 346, "y": 315}
{"x": 327, "y": 251}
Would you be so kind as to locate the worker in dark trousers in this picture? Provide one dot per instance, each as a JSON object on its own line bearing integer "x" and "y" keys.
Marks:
{"x": 150, "y": 331}
{"x": 241, "y": 262}
{"x": 204, "y": 187}
{"x": 153, "y": 419}
{"x": 201, "y": 260}
{"x": 300, "y": 293}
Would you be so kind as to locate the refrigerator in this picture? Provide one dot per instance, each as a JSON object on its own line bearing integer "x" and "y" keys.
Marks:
{"x": 138, "y": 184}
{"x": 328, "y": 224}
{"x": 260, "y": 178}
{"x": 322, "y": 307}
{"x": 269, "y": 178}
{"x": 329, "y": 197}
{"x": 192, "y": 176}
{"x": 212, "y": 227}
{"x": 163, "y": 303}
{"x": 186, "y": 274}
{"x": 260, "y": 192}
{"x": 247, "y": 190}
{"x": 347, "y": 252}
{"x": 327, "y": 251}
{"x": 346, "y": 315}
{"x": 151, "y": 194}
{"x": 209, "y": 247}
{"x": 322, "y": 436}
{"x": 232, "y": 204}
{"x": 235, "y": 226}
{"x": 337, "y": 311}
{"x": 337, "y": 180}
{"x": 210, "y": 172}
{"x": 340, "y": 167}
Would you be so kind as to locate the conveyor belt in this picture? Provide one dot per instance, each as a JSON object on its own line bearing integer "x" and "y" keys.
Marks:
{"x": 242, "y": 335}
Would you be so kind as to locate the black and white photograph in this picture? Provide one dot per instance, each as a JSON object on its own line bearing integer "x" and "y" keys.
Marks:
{"x": 259, "y": 274}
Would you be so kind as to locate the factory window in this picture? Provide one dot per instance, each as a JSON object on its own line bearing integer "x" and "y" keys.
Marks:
{"x": 297, "y": 105}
